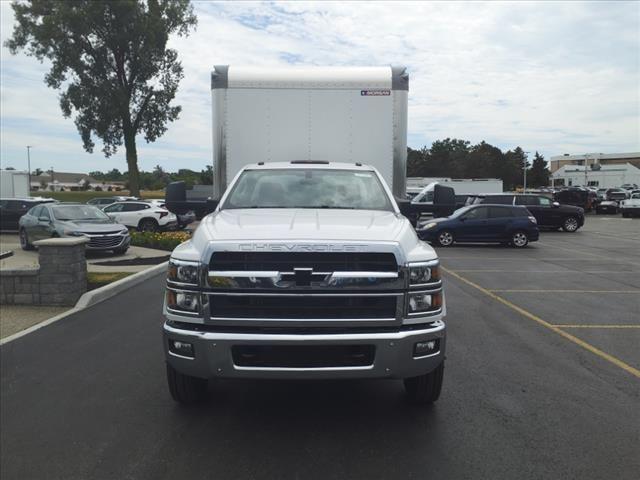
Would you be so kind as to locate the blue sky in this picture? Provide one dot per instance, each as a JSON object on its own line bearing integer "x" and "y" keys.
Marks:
{"x": 558, "y": 77}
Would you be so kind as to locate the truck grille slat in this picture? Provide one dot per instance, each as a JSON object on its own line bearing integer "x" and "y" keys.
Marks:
{"x": 303, "y": 307}
{"x": 319, "y": 262}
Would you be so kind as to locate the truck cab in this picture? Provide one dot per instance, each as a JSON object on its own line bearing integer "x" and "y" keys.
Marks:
{"x": 305, "y": 270}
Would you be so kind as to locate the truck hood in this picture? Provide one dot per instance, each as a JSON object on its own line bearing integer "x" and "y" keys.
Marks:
{"x": 305, "y": 224}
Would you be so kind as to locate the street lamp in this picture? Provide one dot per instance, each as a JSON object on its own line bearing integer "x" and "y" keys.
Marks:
{"x": 525, "y": 171}
{"x": 29, "y": 147}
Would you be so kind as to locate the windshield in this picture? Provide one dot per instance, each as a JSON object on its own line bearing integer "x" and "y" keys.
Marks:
{"x": 86, "y": 213}
{"x": 308, "y": 188}
{"x": 460, "y": 211}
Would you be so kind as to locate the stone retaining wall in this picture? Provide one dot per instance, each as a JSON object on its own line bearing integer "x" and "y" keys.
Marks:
{"x": 61, "y": 278}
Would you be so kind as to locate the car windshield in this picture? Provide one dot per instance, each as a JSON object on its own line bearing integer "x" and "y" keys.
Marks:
{"x": 461, "y": 211}
{"x": 75, "y": 213}
{"x": 308, "y": 188}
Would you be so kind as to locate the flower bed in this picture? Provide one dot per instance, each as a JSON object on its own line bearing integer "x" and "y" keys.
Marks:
{"x": 159, "y": 240}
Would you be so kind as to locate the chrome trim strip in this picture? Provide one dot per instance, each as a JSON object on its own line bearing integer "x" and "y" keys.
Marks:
{"x": 179, "y": 356}
{"x": 438, "y": 328}
{"x": 181, "y": 284}
{"x": 310, "y": 321}
{"x": 189, "y": 263}
{"x": 183, "y": 312}
{"x": 427, "y": 356}
{"x": 364, "y": 275}
{"x": 304, "y": 294}
{"x": 245, "y": 273}
{"x": 428, "y": 263}
{"x": 302, "y": 369}
{"x": 277, "y": 274}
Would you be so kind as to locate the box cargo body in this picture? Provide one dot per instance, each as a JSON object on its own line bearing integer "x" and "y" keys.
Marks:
{"x": 14, "y": 184}
{"x": 338, "y": 114}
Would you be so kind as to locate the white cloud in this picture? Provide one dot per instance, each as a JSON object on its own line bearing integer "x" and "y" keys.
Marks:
{"x": 550, "y": 76}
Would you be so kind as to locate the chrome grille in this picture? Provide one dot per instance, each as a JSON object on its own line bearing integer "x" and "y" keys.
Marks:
{"x": 318, "y": 261}
{"x": 107, "y": 241}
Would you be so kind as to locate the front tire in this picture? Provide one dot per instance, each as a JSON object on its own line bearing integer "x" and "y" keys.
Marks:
{"x": 425, "y": 389}
{"x": 445, "y": 238}
{"x": 519, "y": 239}
{"x": 185, "y": 389}
{"x": 24, "y": 240}
{"x": 570, "y": 224}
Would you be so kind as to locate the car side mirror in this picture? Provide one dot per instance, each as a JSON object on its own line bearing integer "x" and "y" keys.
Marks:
{"x": 555, "y": 204}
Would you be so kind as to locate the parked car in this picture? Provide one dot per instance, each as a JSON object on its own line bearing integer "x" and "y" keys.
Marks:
{"x": 506, "y": 224}
{"x": 11, "y": 209}
{"x": 607, "y": 206}
{"x": 144, "y": 216}
{"x": 578, "y": 197}
{"x": 184, "y": 219}
{"x": 102, "y": 202}
{"x": 629, "y": 186}
{"x": 73, "y": 220}
{"x": 548, "y": 214}
{"x": 631, "y": 207}
{"x": 602, "y": 194}
{"x": 617, "y": 194}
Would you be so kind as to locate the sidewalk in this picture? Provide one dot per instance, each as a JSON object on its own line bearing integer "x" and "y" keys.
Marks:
{"x": 15, "y": 318}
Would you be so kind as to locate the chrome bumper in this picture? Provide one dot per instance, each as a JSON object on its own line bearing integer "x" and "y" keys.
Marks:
{"x": 393, "y": 357}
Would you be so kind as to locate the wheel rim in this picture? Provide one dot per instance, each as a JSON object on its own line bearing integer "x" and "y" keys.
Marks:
{"x": 445, "y": 238}
{"x": 519, "y": 239}
{"x": 147, "y": 227}
{"x": 571, "y": 224}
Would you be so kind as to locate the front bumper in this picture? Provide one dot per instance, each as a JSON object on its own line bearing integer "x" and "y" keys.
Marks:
{"x": 393, "y": 358}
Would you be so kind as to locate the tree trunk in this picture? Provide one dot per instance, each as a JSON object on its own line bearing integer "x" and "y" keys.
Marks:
{"x": 132, "y": 161}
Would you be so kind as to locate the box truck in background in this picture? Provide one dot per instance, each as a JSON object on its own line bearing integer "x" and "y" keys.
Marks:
{"x": 14, "y": 184}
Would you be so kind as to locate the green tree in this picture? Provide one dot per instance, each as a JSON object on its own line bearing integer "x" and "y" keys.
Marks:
{"x": 111, "y": 61}
{"x": 538, "y": 174}
{"x": 37, "y": 172}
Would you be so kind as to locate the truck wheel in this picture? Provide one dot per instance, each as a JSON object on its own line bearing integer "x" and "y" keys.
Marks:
{"x": 425, "y": 389}
{"x": 148, "y": 225}
{"x": 185, "y": 389}
{"x": 24, "y": 240}
{"x": 445, "y": 238}
{"x": 570, "y": 224}
{"x": 519, "y": 239}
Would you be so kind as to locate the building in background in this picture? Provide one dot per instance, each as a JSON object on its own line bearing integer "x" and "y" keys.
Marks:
{"x": 596, "y": 175}
{"x": 67, "y": 181}
{"x": 559, "y": 161}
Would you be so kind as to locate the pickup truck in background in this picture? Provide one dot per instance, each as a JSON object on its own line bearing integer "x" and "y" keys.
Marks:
{"x": 306, "y": 268}
{"x": 631, "y": 207}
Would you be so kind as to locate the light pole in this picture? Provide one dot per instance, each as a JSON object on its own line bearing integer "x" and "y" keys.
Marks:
{"x": 29, "y": 147}
{"x": 525, "y": 171}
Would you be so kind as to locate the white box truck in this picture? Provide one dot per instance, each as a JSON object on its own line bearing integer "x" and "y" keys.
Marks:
{"x": 306, "y": 269}
{"x": 14, "y": 184}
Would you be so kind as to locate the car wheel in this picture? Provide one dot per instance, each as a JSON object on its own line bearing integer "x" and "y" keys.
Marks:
{"x": 24, "y": 240}
{"x": 185, "y": 389}
{"x": 425, "y": 389}
{"x": 445, "y": 238}
{"x": 148, "y": 225}
{"x": 570, "y": 224}
{"x": 519, "y": 239}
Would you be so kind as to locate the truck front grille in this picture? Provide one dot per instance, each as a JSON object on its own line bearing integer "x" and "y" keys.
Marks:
{"x": 307, "y": 356}
{"x": 318, "y": 261}
{"x": 304, "y": 307}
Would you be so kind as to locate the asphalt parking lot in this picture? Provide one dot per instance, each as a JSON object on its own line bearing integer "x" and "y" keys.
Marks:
{"x": 541, "y": 381}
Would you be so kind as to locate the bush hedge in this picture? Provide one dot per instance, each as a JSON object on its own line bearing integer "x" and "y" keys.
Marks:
{"x": 159, "y": 240}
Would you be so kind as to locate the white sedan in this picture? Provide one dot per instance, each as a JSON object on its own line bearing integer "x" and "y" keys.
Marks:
{"x": 144, "y": 216}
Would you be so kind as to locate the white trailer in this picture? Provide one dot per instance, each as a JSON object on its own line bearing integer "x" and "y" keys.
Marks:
{"x": 14, "y": 184}
{"x": 460, "y": 187}
{"x": 338, "y": 114}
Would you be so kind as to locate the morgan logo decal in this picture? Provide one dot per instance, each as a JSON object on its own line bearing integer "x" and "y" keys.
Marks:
{"x": 375, "y": 93}
{"x": 294, "y": 247}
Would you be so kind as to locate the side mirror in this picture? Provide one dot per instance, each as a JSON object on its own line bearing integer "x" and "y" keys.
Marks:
{"x": 555, "y": 204}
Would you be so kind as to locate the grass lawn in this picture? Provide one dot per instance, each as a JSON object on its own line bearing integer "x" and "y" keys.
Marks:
{"x": 84, "y": 197}
{"x": 99, "y": 279}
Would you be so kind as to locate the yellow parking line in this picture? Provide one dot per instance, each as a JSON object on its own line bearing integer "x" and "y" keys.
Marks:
{"x": 587, "y": 346}
{"x": 637, "y": 292}
{"x": 596, "y": 326}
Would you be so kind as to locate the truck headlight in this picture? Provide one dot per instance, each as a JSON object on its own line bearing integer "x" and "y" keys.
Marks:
{"x": 185, "y": 301}
{"x": 423, "y": 273}
{"x": 423, "y": 302}
{"x": 183, "y": 272}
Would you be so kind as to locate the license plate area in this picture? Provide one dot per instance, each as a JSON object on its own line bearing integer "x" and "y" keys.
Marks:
{"x": 303, "y": 356}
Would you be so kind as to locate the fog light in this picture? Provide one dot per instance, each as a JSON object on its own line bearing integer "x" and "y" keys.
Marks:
{"x": 183, "y": 349}
{"x": 185, "y": 301}
{"x": 428, "y": 347}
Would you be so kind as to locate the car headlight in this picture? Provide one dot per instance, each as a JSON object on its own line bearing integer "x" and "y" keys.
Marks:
{"x": 424, "y": 302}
{"x": 184, "y": 301}
{"x": 429, "y": 225}
{"x": 183, "y": 272}
{"x": 124, "y": 231}
{"x": 72, "y": 233}
{"x": 423, "y": 273}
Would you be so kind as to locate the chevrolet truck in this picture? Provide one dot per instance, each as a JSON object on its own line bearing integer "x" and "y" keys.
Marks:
{"x": 306, "y": 268}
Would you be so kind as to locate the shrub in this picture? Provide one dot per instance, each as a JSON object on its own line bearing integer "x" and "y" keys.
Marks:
{"x": 159, "y": 240}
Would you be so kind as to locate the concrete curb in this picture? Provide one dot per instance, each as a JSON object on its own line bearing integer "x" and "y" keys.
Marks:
{"x": 94, "y": 297}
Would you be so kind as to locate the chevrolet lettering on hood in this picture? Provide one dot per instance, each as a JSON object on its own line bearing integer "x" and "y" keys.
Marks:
{"x": 299, "y": 247}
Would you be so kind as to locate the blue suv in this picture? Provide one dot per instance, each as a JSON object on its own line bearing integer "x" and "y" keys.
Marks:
{"x": 506, "y": 224}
